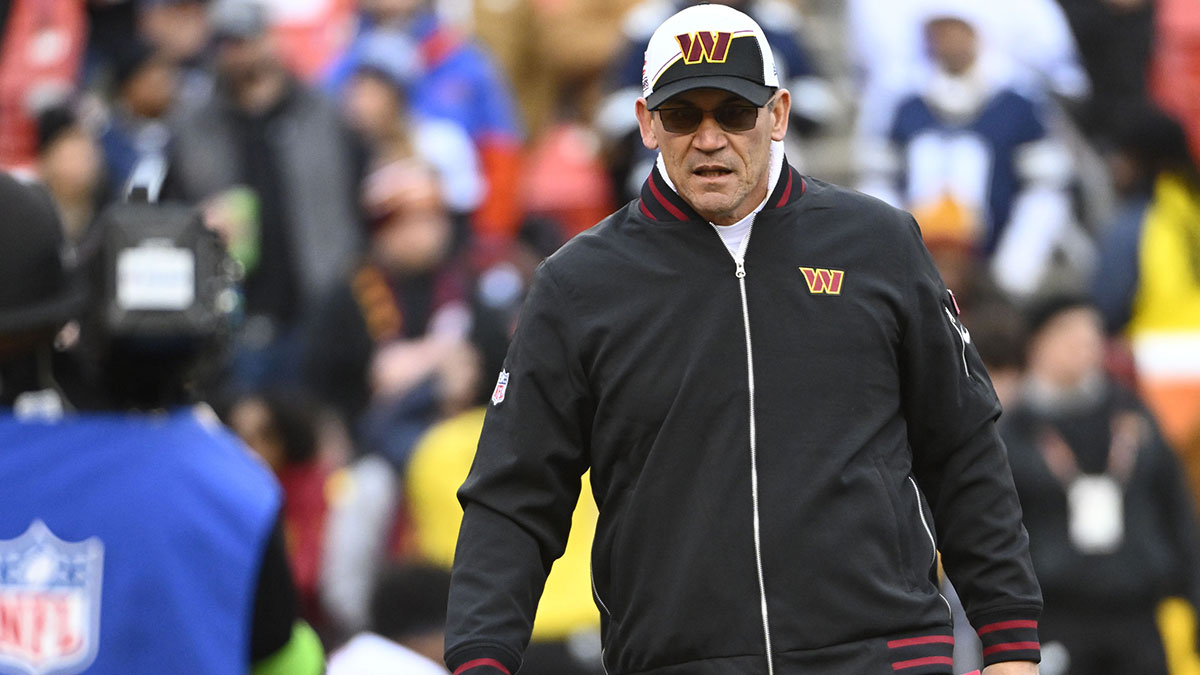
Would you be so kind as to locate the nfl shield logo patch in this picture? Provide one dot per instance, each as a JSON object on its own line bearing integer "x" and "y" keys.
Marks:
{"x": 49, "y": 603}
{"x": 501, "y": 388}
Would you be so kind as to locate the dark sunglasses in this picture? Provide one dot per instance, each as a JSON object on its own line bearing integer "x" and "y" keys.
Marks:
{"x": 731, "y": 117}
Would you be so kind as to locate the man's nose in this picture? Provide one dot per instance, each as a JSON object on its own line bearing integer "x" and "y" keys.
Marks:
{"x": 709, "y": 135}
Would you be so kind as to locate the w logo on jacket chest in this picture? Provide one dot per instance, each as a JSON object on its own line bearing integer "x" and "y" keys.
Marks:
{"x": 822, "y": 281}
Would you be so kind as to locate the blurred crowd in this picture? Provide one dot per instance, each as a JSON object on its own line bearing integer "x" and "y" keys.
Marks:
{"x": 387, "y": 174}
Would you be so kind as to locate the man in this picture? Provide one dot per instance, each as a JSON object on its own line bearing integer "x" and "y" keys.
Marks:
{"x": 1111, "y": 521}
{"x": 453, "y": 80}
{"x": 966, "y": 136}
{"x": 778, "y": 405}
{"x": 265, "y": 130}
{"x": 129, "y": 543}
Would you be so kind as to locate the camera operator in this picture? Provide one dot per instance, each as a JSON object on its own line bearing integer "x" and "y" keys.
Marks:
{"x": 136, "y": 534}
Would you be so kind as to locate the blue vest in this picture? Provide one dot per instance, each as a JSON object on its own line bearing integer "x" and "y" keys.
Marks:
{"x": 129, "y": 544}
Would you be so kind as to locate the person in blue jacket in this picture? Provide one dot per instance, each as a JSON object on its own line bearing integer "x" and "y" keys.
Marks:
{"x": 136, "y": 534}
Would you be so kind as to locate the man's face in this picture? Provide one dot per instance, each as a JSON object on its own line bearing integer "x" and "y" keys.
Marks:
{"x": 243, "y": 59}
{"x": 179, "y": 29}
{"x": 1069, "y": 348}
{"x": 371, "y": 105}
{"x": 953, "y": 44}
{"x": 722, "y": 174}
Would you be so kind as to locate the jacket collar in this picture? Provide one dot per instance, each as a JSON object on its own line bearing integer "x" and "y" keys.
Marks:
{"x": 659, "y": 202}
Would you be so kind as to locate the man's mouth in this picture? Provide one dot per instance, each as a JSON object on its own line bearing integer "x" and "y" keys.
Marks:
{"x": 711, "y": 171}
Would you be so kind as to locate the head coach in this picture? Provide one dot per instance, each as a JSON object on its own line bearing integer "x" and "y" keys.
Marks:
{"x": 784, "y": 418}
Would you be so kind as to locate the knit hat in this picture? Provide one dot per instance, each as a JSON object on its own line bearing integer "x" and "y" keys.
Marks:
{"x": 707, "y": 46}
{"x": 36, "y": 291}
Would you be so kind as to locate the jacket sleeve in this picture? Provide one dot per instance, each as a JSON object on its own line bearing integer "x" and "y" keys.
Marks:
{"x": 962, "y": 465}
{"x": 521, "y": 491}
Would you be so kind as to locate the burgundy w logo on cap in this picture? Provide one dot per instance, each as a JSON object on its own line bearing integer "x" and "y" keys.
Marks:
{"x": 711, "y": 46}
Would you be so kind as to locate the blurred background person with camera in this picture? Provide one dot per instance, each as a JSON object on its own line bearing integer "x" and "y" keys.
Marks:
{"x": 136, "y": 534}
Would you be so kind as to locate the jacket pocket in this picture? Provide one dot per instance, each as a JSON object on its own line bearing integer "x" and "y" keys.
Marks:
{"x": 925, "y": 516}
{"x": 916, "y": 545}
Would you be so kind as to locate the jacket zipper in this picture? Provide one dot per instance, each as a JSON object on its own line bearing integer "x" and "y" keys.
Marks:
{"x": 739, "y": 260}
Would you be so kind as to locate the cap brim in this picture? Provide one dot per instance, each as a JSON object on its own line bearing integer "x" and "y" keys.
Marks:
{"x": 49, "y": 314}
{"x": 756, "y": 93}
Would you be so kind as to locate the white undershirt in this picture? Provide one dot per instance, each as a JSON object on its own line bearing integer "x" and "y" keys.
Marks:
{"x": 734, "y": 235}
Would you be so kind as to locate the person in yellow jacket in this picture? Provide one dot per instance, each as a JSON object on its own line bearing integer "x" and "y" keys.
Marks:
{"x": 1147, "y": 287}
{"x": 1148, "y": 281}
{"x": 566, "y": 632}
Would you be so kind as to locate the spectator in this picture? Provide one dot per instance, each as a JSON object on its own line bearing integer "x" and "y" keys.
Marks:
{"x": 408, "y": 617}
{"x": 41, "y": 54}
{"x": 181, "y": 32}
{"x": 379, "y": 341}
{"x": 967, "y": 137}
{"x": 1112, "y": 527}
{"x": 887, "y": 44}
{"x": 70, "y": 163}
{"x": 281, "y": 427}
{"x": 376, "y": 102}
{"x": 137, "y": 134}
{"x": 1147, "y": 285}
{"x": 266, "y": 131}
{"x": 371, "y": 521}
{"x": 456, "y": 80}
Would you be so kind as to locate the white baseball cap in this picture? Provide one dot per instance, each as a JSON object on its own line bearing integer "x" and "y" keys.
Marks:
{"x": 708, "y": 46}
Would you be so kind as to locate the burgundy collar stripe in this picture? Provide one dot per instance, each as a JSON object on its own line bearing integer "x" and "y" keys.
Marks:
{"x": 663, "y": 203}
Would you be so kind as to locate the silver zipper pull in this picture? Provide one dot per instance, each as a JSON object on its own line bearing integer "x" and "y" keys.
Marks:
{"x": 741, "y": 269}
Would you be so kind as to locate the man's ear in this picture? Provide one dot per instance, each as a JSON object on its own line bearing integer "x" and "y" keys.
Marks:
{"x": 644, "y": 118}
{"x": 779, "y": 114}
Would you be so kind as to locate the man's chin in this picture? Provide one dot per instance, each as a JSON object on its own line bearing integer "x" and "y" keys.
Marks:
{"x": 710, "y": 205}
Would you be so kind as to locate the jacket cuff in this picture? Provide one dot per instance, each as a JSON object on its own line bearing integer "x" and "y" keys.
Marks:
{"x": 482, "y": 660}
{"x": 1009, "y": 638}
{"x": 482, "y": 667}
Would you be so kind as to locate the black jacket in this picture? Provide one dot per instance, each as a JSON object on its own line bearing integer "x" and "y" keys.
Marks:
{"x": 1159, "y": 554}
{"x": 804, "y": 509}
